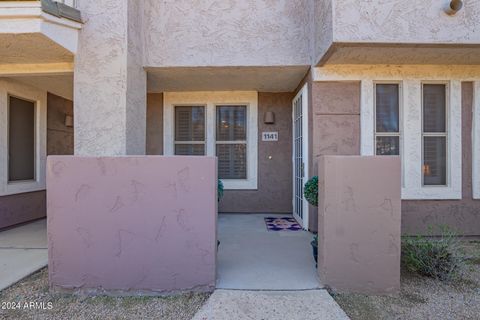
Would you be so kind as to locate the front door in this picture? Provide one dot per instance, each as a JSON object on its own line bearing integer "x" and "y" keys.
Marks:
{"x": 300, "y": 155}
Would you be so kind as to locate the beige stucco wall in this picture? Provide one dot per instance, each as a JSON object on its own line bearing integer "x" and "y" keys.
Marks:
{"x": 228, "y": 33}
{"x": 395, "y": 32}
{"x": 405, "y": 22}
{"x": 274, "y": 193}
{"x": 109, "y": 79}
{"x": 335, "y": 124}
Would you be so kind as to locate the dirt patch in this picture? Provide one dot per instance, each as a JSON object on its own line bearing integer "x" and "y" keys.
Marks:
{"x": 41, "y": 304}
{"x": 422, "y": 297}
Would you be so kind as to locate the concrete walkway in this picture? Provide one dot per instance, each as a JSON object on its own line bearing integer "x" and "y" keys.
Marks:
{"x": 23, "y": 250}
{"x": 271, "y": 305}
{"x": 252, "y": 258}
{"x": 266, "y": 275}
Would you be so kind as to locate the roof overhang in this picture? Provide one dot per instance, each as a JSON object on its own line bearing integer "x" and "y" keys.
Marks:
{"x": 29, "y": 18}
{"x": 245, "y": 78}
{"x": 401, "y": 53}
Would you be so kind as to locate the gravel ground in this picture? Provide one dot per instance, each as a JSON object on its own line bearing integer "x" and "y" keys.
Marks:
{"x": 422, "y": 297}
{"x": 63, "y": 306}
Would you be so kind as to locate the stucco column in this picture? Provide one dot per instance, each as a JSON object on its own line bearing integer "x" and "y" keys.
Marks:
{"x": 109, "y": 80}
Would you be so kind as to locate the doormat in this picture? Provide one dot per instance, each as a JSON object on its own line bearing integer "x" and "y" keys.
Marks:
{"x": 282, "y": 224}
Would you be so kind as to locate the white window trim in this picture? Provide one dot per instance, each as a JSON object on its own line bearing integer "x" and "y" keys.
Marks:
{"x": 476, "y": 141}
{"x": 411, "y": 140}
{"x": 211, "y": 99}
{"x": 412, "y": 76}
{"x": 413, "y": 155}
{"x": 204, "y": 141}
{"x": 398, "y": 134}
{"x": 12, "y": 88}
{"x": 444, "y": 134}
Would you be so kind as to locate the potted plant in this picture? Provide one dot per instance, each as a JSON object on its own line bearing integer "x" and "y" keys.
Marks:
{"x": 219, "y": 190}
{"x": 219, "y": 197}
{"x": 311, "y": 194}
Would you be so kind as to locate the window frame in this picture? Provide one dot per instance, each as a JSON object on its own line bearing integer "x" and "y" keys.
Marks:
{"x": 398, "y": 134}
{"x": 217, "y": 142}
{"x": 204, "y": 142}
{"x": 476, "y": 140}
{"x": 444, "y": 134}
{"x": 10, "y": 88}
{"x": 35, "y": 173}
{"x": 211, "y": 99}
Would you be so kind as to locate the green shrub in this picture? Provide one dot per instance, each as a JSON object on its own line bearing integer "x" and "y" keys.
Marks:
{"x": 436, "y": 257}
{"x": 219, "y": 190}
{"x": 311, "y": 191}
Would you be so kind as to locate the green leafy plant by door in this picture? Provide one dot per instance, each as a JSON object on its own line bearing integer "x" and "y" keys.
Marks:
{"x": 311, "y": 191}
{"x": 219, "y": 190}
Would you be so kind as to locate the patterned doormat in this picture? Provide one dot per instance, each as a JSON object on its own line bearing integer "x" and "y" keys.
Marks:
{"x": 282, "y": 224}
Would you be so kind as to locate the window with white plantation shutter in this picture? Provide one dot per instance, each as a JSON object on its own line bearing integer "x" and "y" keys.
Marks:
{"x": 215, "y": 123}
{"x": 434, "y": 134}
{"x": 387, "y": 119}
{"x": 190, "y": 130}
{"x": 231, "y": 141}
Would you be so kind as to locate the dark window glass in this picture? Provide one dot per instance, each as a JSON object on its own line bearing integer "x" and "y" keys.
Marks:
{"x": 232, "y": 161}
{"x": 434, "y": 108}
{"x": 189, "y": 149}
{"x": 189, "y": 127}
{"x": 21, "y": 140}
{"x": 231, "y": 138}
{"x": 387, "y": 108}
{"x": 231, "y": 123}
{"x": 388, "y": 146}
{"x": 435, "y": 161}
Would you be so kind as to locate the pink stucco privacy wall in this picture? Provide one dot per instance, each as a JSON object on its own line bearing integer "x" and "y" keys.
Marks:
{"x": 132, "y": 224}
{"x": 359, "y": 223}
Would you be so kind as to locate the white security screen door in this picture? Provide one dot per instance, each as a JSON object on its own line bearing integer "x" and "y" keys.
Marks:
{"x": 300, "y": 155}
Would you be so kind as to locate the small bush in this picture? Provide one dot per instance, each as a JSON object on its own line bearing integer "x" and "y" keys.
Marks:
{"x": 311, "y": 191}
{"x": 433, "y": 257}
{"x": 220, "y": 190}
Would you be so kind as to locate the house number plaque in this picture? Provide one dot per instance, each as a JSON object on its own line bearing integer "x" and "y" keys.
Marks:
{"x": 270, "y": 136}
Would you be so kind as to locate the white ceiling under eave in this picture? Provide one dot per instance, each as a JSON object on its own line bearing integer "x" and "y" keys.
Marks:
{"x": 257, "y": 78}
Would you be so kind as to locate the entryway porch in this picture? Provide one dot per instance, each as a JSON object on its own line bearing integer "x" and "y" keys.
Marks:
{"x": 250, "y": 257}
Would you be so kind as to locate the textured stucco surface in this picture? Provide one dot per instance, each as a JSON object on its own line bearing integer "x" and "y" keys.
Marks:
{"x": 59, "y": 136}
{"x": 132, "y": 224}
{"x": 405, "y": 21}
{"x": 22, "y": 207}
{"x": 110, "y": 83}
{"x": 463, "y": 215}
{"x": 274, "y": 193}
{"x": 154, "y": 138}
{"x": 322, "y": 28}
{"x": 228, "y": 33}
{"x": 359, "y": 223}
{"x": 335, "y": 123}
{"x": 401, "y": 32}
